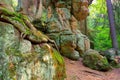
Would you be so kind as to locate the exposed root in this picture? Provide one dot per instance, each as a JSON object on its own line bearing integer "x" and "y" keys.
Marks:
{"x": 25, "y": 27}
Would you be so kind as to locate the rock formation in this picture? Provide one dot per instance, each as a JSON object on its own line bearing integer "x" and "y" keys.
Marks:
{"x": 62, "y": 22}
{"x": 34, "y": 33}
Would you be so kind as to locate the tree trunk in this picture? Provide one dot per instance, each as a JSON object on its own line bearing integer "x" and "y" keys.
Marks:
{"x": 112, "y": 24}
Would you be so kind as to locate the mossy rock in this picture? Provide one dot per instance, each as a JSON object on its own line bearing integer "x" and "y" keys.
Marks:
{"x": 95, "y": 61}
{"x": 112, "y": 57}
{"x": 109, "y": 54}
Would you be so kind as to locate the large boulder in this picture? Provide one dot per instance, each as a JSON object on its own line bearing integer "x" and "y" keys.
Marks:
{"x": 94, "y": 60}
{"x": 22, "y": 60}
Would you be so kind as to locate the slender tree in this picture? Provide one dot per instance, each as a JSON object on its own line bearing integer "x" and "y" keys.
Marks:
{"x": 112, "y": 24}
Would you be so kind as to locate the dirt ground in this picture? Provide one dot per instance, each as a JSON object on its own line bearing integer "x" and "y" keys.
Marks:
{"x": 76, "y": 71}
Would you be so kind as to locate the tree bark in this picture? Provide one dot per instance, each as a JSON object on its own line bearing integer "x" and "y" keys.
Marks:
{"x": 112, "y": 24}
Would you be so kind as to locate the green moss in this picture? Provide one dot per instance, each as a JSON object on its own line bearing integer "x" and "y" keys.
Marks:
{"x": 58, "y": 57}
{"x": 9, "y": 13}
{"x": 6, "y": 12}
{"x": 19, "y": 20}
{"x": 60, "y": 66}
{"x": 14, "y": 15}
{"x": 23, "y": 24}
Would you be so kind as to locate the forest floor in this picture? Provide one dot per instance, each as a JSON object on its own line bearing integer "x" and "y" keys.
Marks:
{"x": 75, "y": 70}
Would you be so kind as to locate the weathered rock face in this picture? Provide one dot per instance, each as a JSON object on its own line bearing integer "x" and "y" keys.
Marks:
{"x": 21, "y": 60}
{"x": 63, "y": 27}
{"x": 26, "y": 53}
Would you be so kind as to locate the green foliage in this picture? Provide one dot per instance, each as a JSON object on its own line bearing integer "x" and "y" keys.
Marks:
{"x": 98, "y": 22}
{"x": 102, "y": 38}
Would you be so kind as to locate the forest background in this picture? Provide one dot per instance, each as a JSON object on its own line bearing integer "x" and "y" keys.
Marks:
{"x": 98, "y": 24}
